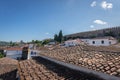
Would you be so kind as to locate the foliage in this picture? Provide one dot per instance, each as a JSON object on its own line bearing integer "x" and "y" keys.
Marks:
{"x": 13, "y": 44}
{"x": 33, "y": 41}
{"x": 3, "y": 43}
{"x": 65, "y": 38}
{"x": 59, "y": 37}
{"x": 110, "y": 33}
{"x": 92, "y": 36}
{"x": 118, "y": 40}
{"x": 21, "y": 42}
{"x": 45, "y": 41}
{"x": 69, "y": 38}
{"x": 56, "y": 37}
{"x": 1, "y": 55}
{"x": 37, "y": 42}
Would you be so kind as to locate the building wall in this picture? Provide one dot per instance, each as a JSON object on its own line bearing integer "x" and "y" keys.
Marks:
{"x": 34, "y": 53}
{"x": 85, "y": 40}
{"x": 71, "y": 43}
{"x": 98, "y": 42}
{"x": 14, "y": 54}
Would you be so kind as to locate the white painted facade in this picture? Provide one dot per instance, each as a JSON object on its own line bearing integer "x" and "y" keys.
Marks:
{"x": 51, "y": 43}
{"x": 14, "y": 54}
{"x": 103, "y": 41}
{"x": 72, "y": 42}
{"x": 32, "y": 53}
{"x": 85, "y": 41}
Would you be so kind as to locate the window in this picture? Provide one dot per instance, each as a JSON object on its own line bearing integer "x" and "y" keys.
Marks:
{"x": 31, "y": 52}
{"x": 93, "y": 42}
{"x": 102, "y": 42}
{"x": 110, "y": 42}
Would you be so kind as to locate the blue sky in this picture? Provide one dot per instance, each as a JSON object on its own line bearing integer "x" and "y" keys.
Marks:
{"x": 39, "y": 19}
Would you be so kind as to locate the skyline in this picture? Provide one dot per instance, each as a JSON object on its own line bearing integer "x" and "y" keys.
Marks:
{"x": 39, "y": 19}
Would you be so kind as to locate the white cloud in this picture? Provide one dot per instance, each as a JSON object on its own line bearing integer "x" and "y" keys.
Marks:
{"x": 100, "y": 22}
{"x": 92, "y": 26}
{"x": 106, "y": 5}
{"x": 93, "y": 4}
{"x": 47, "y": 33}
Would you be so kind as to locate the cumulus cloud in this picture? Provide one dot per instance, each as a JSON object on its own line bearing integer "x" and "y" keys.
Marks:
{"x": 100, "y": 22}
{"x": 106, "y": 5}
{"x": 93, "y": 4}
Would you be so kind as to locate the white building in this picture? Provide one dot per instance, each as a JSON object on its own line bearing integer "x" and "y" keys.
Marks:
{"x": 34, "y": 53}
{"x": 85, "y": 40}
{"x": 13, "y": 52}
{"x": 52, "y": 43}
{"x": 72, "y": 42}
{"x": 101, "y": 41}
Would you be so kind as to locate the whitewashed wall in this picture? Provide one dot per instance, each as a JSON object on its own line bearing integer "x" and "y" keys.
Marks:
{"x": 85, "y": 40}
{"x": 71, "y": 43}
{"x": 98, "y": 42}
{"x": 13, "y": 54}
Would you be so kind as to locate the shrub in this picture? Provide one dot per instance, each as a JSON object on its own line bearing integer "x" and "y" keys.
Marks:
{"x": 1, "y": 55}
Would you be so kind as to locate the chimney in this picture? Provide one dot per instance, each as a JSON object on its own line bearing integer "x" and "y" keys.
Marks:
{"x": 29, "y": 53}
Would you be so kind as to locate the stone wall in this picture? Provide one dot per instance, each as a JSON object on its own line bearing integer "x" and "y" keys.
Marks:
{"x": 97, "y": 33}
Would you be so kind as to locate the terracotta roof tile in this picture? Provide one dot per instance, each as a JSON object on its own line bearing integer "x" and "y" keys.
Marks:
{"x": 7, "y": 65}
{"x": 101, "y": 59}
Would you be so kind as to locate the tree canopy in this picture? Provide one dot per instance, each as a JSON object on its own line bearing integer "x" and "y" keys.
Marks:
{"x": 59, "y": 37}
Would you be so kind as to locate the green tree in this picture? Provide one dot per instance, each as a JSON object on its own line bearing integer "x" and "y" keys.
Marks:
{"x": 36, "y": 41}
{"x": 11, "y": 43}
{"x": 21, "y": 42}
{"x": 33, "y": 41}
{"x": 110, "y": 33}
{"x": 39, "y": 44}
{"x": 60, "y": 37}
{"x": 45, "y": 41}
{"x": 1, "y": 55}
{"x": 56, "y": 37}
{"x": 65, "y": 38}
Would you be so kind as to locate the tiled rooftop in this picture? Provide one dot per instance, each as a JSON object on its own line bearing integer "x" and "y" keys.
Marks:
{"x": 8, "y": 68}
{"x": 14, "y": 48}
{"x": 40, "y": 69}
{"x": 7, "y": 65}
{"x": 101, "y": 59}
{"x": 30, "y": 70}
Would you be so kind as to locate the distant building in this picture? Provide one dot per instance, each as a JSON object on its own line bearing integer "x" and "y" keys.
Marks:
{"x": 72, "y": 42}
{"x": 52, "y": 42}
{"x": 13, "y": 52}
{"x": 100, "y": 41}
